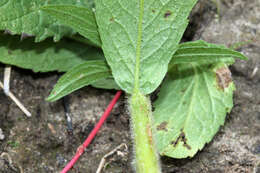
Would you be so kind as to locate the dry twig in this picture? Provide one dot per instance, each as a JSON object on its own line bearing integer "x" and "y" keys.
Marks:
{"x": 103, "y": 160}
{"x": 11, "y": 162}
{"x": 254, "y": 72}
{"x": 17, "y": 102}
{"x": 7, "y": 75}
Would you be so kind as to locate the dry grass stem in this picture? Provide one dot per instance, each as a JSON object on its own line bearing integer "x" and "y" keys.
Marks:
{"x": 254, "y": 72}
{"x": 7, "y": 75}
{"x": 103, "y": 160}
{"x": 11, "y": 162}
{"x": 17, "y": 102}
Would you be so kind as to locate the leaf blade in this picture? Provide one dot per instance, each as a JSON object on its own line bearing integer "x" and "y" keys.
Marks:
{"x": 138, "y": 40}
{"x": 80, "y": 19}
{"x": 191, "y": 106}
{"x": 78, "y": 77}
{"x": 107, "y": 83}
{"x": 45, "y": 56}
{"x": 201, "y": 51}
{"x": 48, "y": 56}
{"x": 25, "y": 17}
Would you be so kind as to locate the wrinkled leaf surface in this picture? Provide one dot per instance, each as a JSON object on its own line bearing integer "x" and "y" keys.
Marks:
{"x": 192, "y": 105}
{"x": 45, "y": 56}
{"x": 80, "y": 19}
{"x": 139, "y": 38}
{"x": 25, "y": 16}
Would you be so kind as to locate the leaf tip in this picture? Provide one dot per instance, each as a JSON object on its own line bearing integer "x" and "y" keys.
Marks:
{"x": 52, "y": 97}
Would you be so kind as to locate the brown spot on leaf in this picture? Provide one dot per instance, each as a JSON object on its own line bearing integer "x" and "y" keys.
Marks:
{"x": 187, "y": 146}
{"x": 167, "y": 14}
{"x": 9, "y": 52}
{"x": 183, "y": 90}
{"x": 112, "y": 19}
{"x": 162, "y": 126}
{"x": 153, "y": 10}
{"x": 181, "y": 138}
{"x": 174, "y": 143}
{"x": 223, "y": 77}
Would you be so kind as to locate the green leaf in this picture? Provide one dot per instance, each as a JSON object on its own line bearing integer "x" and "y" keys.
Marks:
{"x": 108, "y": 83}
{"x": 26, "y": 17}
{"x": 140, "y": 37}
{"x": 192, "y": 105}
{"x": 80, "y": 19}
{"x": 201, "y": 51}
{"x": 45, "y": 56}
{"x": 78, "y": 77}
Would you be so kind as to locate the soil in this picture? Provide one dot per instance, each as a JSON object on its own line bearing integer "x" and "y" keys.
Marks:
{"x": 41, "y": 143}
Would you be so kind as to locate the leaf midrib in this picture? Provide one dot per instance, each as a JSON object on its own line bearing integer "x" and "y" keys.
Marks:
{"x": 138, "y": 46}
{"x": 193, "y": 85}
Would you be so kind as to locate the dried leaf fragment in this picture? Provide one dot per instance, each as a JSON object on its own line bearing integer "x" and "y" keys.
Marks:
{"x": 223, "y": 77}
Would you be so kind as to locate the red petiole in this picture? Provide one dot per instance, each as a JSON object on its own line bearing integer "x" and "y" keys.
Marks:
{"x": 93, "y": 133}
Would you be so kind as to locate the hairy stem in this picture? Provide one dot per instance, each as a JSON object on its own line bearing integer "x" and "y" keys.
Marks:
{"x": 146, "y": 155}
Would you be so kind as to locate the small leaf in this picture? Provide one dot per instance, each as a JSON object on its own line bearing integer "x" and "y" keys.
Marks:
{"x": 80, "y": 19}
{"x": 45, "y": 56}
{"x": 78, "y": 77}
{"x": 139, "y": 39}
{"x": 192, "y": 105}
{"x": 201, "y": 51}
{"x": 26, "y": 17}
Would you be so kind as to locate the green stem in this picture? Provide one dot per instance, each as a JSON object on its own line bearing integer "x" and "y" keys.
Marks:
{"x": 146, "y": 155}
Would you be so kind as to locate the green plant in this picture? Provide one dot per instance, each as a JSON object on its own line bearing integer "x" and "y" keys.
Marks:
{"x": 140, "y": 40}
{"x": 13, "y": 144}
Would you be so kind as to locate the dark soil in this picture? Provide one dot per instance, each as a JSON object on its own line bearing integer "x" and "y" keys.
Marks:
{"x": 41, "y": 143}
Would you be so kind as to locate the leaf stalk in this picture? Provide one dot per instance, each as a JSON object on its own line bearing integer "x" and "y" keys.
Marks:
{"x": 146, "y": 157}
